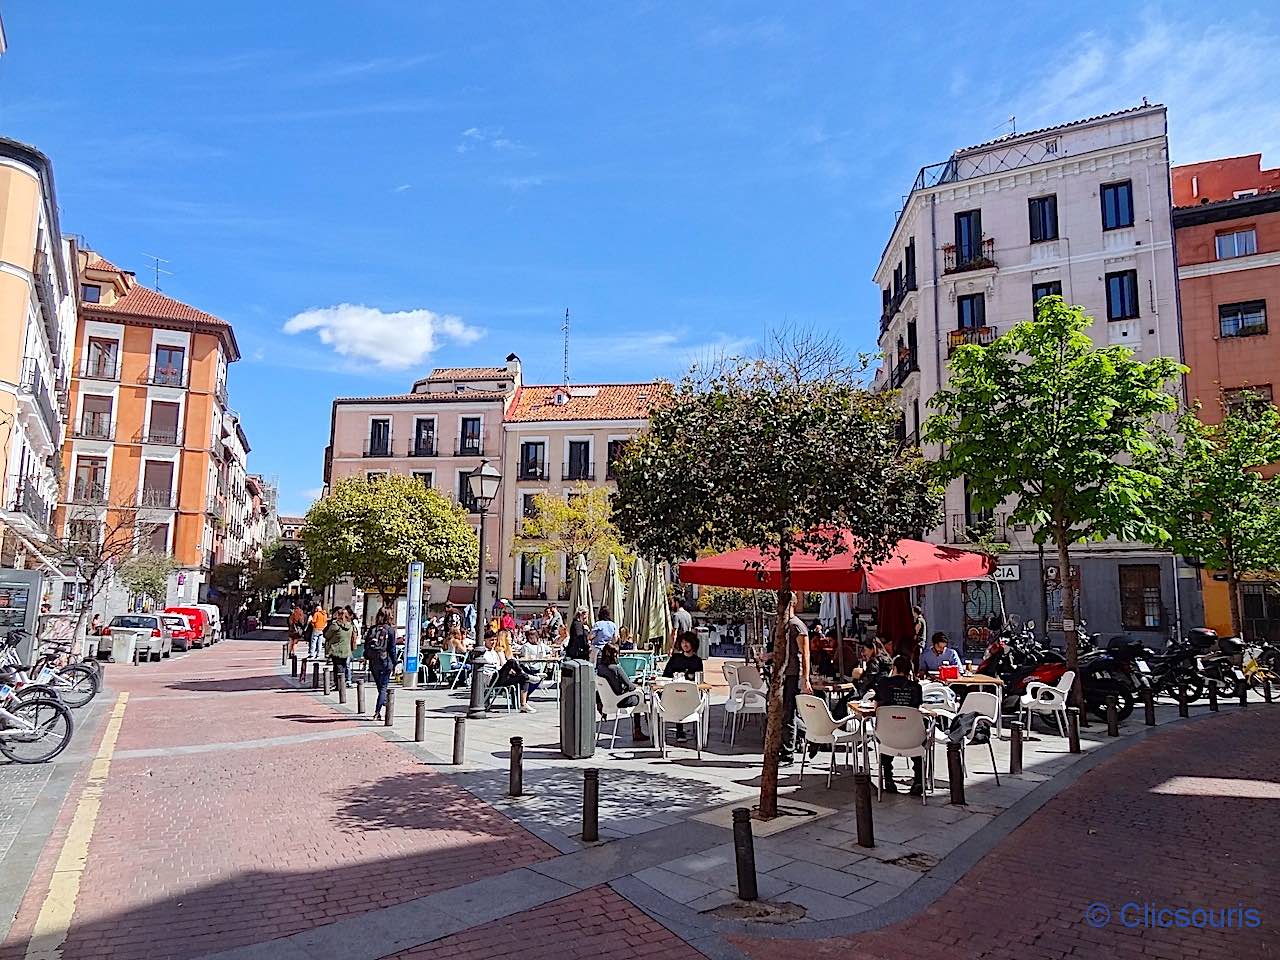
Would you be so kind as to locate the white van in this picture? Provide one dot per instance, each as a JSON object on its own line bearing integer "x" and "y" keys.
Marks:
{"x": 215, "y": 619}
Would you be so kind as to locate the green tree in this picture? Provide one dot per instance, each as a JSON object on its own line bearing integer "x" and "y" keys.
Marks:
{"x": 371, "y": 530}
{"x": 1058, "y": 428}
{"x": 282, "y": 564}
{"x": 778, "y": 453}
{"x": 1217, "y": 503}
{"x": 578, "y": 525}
{"x": 146, "y": 574}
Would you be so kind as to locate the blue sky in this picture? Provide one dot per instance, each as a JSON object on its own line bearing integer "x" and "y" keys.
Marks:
{"x": 371, "y": 189}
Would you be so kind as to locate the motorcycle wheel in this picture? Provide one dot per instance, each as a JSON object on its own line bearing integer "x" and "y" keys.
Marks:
{"x": 1226, "y": 687}
{"x": 1190, "y": 687}
{"x": 1096, "y": 698}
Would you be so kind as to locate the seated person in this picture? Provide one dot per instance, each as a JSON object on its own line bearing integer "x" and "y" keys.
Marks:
{"x": 900, "y": 690}
{"x": 513, "y": 673}
{"x": 684, "y": 660}
{"x": 874, "y": 664}
{"x": 624, "y": 639}
{"x": 533, "y": 648}
{"x": 619, "y": 683}
{"x": 939, "y": 652}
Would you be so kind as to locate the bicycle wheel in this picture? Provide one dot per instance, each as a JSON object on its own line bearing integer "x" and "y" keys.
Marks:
{"x": 49, "y": 727}
{"x": 77, "y": 685}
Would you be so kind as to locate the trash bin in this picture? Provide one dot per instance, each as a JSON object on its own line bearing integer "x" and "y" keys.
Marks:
{"x": 577, "y": 709}
{"x": 122, "y": 645}
{"x": 704, "y": 642}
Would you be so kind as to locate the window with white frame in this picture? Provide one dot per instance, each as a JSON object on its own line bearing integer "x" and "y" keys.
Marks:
{"x": 1237, "y": 243}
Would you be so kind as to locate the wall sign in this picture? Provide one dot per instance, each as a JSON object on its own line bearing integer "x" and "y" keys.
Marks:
{"x": 1007, "y": 572}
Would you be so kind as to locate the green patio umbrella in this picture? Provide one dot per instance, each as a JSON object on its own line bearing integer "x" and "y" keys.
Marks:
{"x": 580, "y": 590}
{"x": 633, "y": 609}
{"x": 657, "y": 607}
{"x": 614, "y": 591}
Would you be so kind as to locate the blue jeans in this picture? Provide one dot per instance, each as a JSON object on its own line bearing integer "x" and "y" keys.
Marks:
{"x": 381, "y": 671}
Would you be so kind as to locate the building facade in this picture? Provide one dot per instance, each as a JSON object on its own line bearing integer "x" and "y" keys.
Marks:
{"x": 37, "y": 326}
{"x": 1081, "y": 210}
{"x": 149, "y": 420}
{"x": 1227, "y": 223}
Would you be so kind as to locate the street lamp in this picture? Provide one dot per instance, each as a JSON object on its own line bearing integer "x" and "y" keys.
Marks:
{"x": 483, "y": 483}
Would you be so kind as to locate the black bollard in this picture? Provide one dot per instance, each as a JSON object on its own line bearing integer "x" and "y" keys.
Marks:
{"x": 293, "y": 668}
{"x": 515, "y": 778}
{"x": 324, "y": 682}
{"x": 1213, "y": 697}
{"x": 1266, "y": 690}
{"x": 360, "y": 697}
{"x": 862, "y": 809}
{"x": 284, "y": 653}
{"x": 955, "y": 773}
{"x": 459, "y": 739}
{"x": 1183, "y": 710}
{"x": 1073, "y": 729}
{"x": 744, "y": 852}
{"x": 1149, "y": 707}
{"x": 419, "y": 720}
{"x": 1113, "y": 716}
{"x": 390, "y": 717}
{"x": 1015, "y": 747}
{"x": 315, "y": 676}
{"x": 342, "y": 686}
{"x": 591, "y": 805}
{"x": 1242, "y": 688}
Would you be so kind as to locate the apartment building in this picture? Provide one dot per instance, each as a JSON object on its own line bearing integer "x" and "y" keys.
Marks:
{"x": 37, "y": 324}
{"x": 1081, "y": 209}
{"x": 149, "y": 420}
{"x": 1226, "y": 221}
{"x": 262, "y": 524}
{"x": 557, "y": 438}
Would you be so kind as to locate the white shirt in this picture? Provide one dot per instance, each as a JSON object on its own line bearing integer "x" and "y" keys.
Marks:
{"x": 492, "y": 658}
{"x": 534, "y": 651}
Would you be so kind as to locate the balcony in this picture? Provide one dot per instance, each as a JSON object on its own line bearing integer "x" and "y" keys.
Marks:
{"x": 531, "y": 592}
{"x": 895, "y": 303}
{"x": 533, "y": 471}
{"x": 34, "y": 386}
{"x": 94, "y": 426}
{"x": 89, "y": 493}
{"x": 165, "y": 377}
{"x": 423, "y": 447}
{"x": 156, "y": 499}
{"x": 578, "y": 472}
{"x": 966, "y": 528}
{"x": 162, "y": 436}
{"x": 563, "y": 593}
{"x": 467, "y": 449}
{"x": 220, "y": 391}
{"x": 48, "y": 302}
{"x": 981, "y": 336}
{"x": 214, "y": 509}
{"x": 27, "y": 500}
{"x": 377, "y": 447}
{"x": 100, "y": 368}
{"x": 980, "y": 256}
{"x": 907, "y": 365}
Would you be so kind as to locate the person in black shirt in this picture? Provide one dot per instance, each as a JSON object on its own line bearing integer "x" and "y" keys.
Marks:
{"x": 607, "y": 667}
{"x": 900, "y": 690}
{"x": 684, "y": 660}
{"x": 578, "y": 647}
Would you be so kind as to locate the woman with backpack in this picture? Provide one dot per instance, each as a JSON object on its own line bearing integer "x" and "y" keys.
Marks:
{"x": 379, "y": 653}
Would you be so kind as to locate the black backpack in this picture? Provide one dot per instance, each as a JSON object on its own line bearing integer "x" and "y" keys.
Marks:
{"x": 377, "y": 643}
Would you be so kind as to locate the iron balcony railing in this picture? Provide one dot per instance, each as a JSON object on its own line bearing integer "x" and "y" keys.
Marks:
{"x": 156, "y": 498}
{"x": 95, "y": 426}
{"x": 533, "y": 471}
{"x": 48, "y": 302}
{"x": 423, "y": 447}
{"x": 220, "y": 391}
{"x": 33, "y": 384}
{"x": 531, "y": 592}
{"x": 468, "y": 449}
{"x": 100, "y": 368}
{"x": 165, "y": 377}
{"x": 907, "y": 365}
{"x": 563, "y": 592}
{"x": 214, "y": 508}
{"x": 90, "y": 493}
{"x": 578, "y": 472}
{"x": 982, "y": 336}
{"x": 29, "y": 501}
{"x": 978, "y": 256}
{"x": 377, "y": 448}
{"x": 971, "y": 528}
{"x": 165, "y": 436}
{"x": 894, "y": 303}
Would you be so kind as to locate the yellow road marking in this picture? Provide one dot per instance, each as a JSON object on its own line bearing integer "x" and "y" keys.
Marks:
{"x": 54, "y": 921}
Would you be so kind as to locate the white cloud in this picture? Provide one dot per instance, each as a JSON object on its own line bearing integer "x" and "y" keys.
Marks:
{"x": 392, "y": 341}
{"x": 1194, "y": 68}
{"x": 760, "y": 31}
{"x": 521, "y": 184}
{"x": 491, "y": 138}
{"x": 403, "y": 187}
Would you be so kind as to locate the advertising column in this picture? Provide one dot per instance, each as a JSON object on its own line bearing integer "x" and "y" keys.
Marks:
{"x": 413, "y": 626}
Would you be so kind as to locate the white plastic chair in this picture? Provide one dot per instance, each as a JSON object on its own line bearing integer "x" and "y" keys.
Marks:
{"x": 743, "y": 702}
{"x": 612, "y": 708}
{"x": 823, "y": 729}
{"x": 903, "y": 732}
{"x": 1044, "y": 699}
{"x": 679, "y": 701}
{"x": 749, "y": 675}
{"x": 938, "y": 695}
{"x": 987, "y": 707}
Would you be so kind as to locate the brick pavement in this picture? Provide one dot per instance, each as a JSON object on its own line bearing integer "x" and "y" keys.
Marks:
{"x": 590, "y": 924}
{"x": 1109, "y": 838}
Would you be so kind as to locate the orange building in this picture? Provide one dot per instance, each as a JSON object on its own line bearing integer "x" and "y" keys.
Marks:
{"x": 150, "y": 428}
{"x": 1227, "y": 225}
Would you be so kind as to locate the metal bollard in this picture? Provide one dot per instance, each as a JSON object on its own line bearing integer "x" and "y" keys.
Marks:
{"x": 1183, "y": 710}
{"x": 315, "y": 676}
{"x": 1243, "y": 689}
{"x": 390, "y": 717}
{"x": 1149, "y": 707}
{"x": 459, "y": 739}
{"x": 862, "y": 809}
{"x": 1015, "y": 747}
{"x": 955, "y": 773}
{"x": 324, "y": 682}
{"x": 1073, "y": 729}
{"x": 284, "y": 653}
{"x": 591, "y": 805}
{"x": 341, "y": 682}
{"x": 1266, "y": 690}
{"x": 1213, "y": 697}
{"x": 419, "y": 720}
{"x": 515, "y": 779}
{"x": 1113, "y": 716}
{"x": 744, "y": 852}
{"x": 293, "y": 668}
{"x": 360, "y": 697}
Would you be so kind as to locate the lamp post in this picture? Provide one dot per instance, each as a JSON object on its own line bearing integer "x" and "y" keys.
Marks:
{"x": 483, "y": 483}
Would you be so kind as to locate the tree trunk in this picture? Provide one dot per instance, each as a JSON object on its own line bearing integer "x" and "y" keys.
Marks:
{"x": 773, "y": 726}
{"x": 1069, "y": 614}
{"x": 1233, "y": 594}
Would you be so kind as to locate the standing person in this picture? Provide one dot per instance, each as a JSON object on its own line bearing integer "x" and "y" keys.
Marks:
{"x": 318, "y": 622}
{"x": 337, "y": 641}
{"x": 552, "y": 622}
{"x": 920, "y": 625}
{"x": 357, "y": 635}
{"x": 681, "y": 620}
{"x": 578, "y": 647}
{"x": 900, "y": 690}
{"x": 297, "y": 619}
{"x": 452, "y": 619}
{"x": 379, "y": 647}
{"x": 795, "y": 677}
{"x": 604, "y": 630}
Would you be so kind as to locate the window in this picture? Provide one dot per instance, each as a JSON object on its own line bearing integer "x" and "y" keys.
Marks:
{"x": 1244, "y": 399}
{"x": 533, "y": 460}
{"x": 579, "y": 465}
{"x": 911, "y": 264}
{"x": 464, "y": 492}
{"x": 91, "y": 480}
{"x": 614, "y": 452}
{"x": 169, "y": 366}
{"x": 1122, "y": 295}
{"x": 84, "y": 531}
{"x": 1243, "y": 319}
{"x": 101, "y": 360}
{"x": 95, "y": 420}
{"x": 1043, "y": 214}
{"x": 528, "y": 504}
{"x": 158, "y": 538}
{"x": 424, "y": 477}
{"x": 1117, "y": 205}
{"x": 157, "y": 483}
{"x": 1141, "y": 607}
{"x": 968, "y": 236}
{"x": 424, "y": 437}
{"x": 469, "y": 443}
{"x": 379, "y": 438}
{"x": 1237, "y": 243}
{"x": 164, "y": 423}
{"x": 971, "y": 312}
{"x": 374, "y": 474}
{"x": 90, "y": 292}
{"x": 1050, "y": 288}
{"x": 531, "y": 577}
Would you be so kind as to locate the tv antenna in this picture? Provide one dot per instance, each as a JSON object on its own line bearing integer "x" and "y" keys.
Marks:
{"x": 564, "y": 328}
{"x": 157, "y": 269}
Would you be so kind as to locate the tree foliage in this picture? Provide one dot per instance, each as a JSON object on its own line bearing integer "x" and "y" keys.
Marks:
{"x": 1217, "y": 502}
{"x": 1058, "y": 430}
{"x": 371, "y": 530}
{"x": 282, "y": 564}
{"x": 776, "y": 452}
{"x": 579, "y": 525}
{"x": 146, "y": 574}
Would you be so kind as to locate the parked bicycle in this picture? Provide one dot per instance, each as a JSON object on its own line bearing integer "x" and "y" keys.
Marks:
{"x": 34, "y": 728}
{"x": 74, "y": 683}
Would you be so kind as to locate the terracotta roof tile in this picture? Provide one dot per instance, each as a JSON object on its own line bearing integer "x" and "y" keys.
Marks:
{"x": 442, "y": 397}
{"x": 99, "y": 264}
{"x": 1057, "y": 126}
{"x": 144, "y": 302}
{"x": 468, "y": 373}
{"x": 595, "y": 401}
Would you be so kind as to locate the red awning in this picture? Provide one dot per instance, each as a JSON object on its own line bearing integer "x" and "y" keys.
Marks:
{"x": 914, "y": 563}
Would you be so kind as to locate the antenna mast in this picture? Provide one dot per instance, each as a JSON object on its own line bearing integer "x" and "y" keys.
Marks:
{"x": 155, "y": 265}
{"x": 564, "y": 328}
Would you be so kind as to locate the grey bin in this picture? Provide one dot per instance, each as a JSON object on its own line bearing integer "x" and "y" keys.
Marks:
{"x": 577, "y": 709}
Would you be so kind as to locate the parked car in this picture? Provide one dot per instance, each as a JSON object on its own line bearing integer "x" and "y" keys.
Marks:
{"x": 214, "y": 616}
{"x": 151, "y": 636}
{"x": 200, "y": 625}
{"x": 182, "y": 630}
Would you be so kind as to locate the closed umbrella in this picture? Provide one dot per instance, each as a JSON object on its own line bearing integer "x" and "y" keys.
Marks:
{"x": 657, "y": 606}
{"x": 613, "y": 589}
{"x": 580, "y": 589}
{"x": 633, "y": 609}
